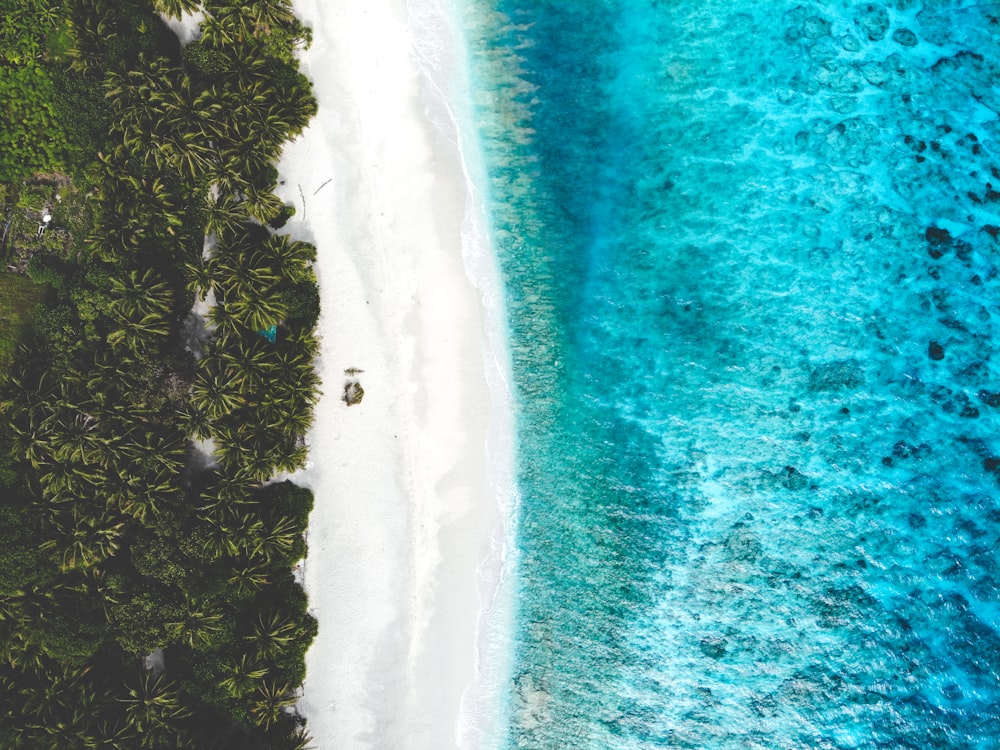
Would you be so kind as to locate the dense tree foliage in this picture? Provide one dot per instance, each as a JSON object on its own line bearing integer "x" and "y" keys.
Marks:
{"x": 49, "y": 116}
{"x": 146, "y": 592}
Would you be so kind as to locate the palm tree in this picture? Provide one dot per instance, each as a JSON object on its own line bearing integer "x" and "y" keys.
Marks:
{"x": 292, "y": 375}
{"x": 197, "y": 625}
{"x": 223, "y": 215}
{"x": 29, "y": 432}
{"x": 228, "y": 489}
{"x": 300, "y": 740}
{"x": 12, "y": 608}
{"x": 193, "y": 158}
{"x": 245, "y": 66}
{"x": 137, "y": 335}
{"x": 248, "y": 99}
{"x": 248, "y": 20}
{"x": 223, "y": 323}
{"x": 93, "y": 584}
{"x": 265, "y": 14}
{"x": 289, "y": 258}
{"x": 77, "y": 438}
{"x": 143, "y": 494}
{"x": 272, "y": 632}
{"x": 62, "y": 710}
{"x": 91, "y": 29}
{"x": 126, "y": 90}
{"x": 247, "y": 578}
{"x": 152, "y": 143}
{"x": 303, "y": 340}
{"x": 227, "y": 176}
{"x": 192, "y": 116}
{"x": 64, "y": 482}
{"x": 153, "y": 709}
{"x": 199, "y": 278}
{"x": 217, "y": 32}
{"x": 261, "y": 204}
{"x": 230, "y": 532}
{"x": 258, "y": 312}
{"x": 146, "y": 209}
{"x": 162, "y": 121}
{"x": 137, "y": 95}
{"x": 240, "y": 272}
{"x": 195, "y": 422}
{"x": 269, "y": 127}
{"x": 22, "y": 392}
{"x": 253, "y": 449}
{"x": 214, "y": 394}
{"x": 297, "y": 107}
{"x": 142, "y": 293}
{"x": 19, "y": 651}
{"x": 84, "y": 539}
{"x": 278, "y": 540}
{"x": 175, "y": 8}
{"x": 271, "y": 700}
{"x": 292, "y": 454}
{"x": 285, "y": 411}
{"x": 115, "y": 734}
{"x": 245, "y": 153}
{"x": 240, "y": 677}
{"x": 154, "y": 452}
{"x": 247, "y": 361}
{"x": 290, "y": 363}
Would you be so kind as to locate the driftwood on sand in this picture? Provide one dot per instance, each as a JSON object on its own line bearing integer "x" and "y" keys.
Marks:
{"x": 353, "y": 392}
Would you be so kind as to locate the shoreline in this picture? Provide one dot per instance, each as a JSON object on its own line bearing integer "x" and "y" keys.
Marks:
{"x": 406, "y": 541}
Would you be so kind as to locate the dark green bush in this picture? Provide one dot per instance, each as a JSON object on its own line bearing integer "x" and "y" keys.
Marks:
{"x": 74, "y": 632}
{"x": 24, "y": 26}
{"x": 31, "y": 137}
{"x": 287, "y": 212}
{"x": 22, "y": 563}
{"x": 82, "y": 113}
{"x": 303, "y": 304}
{"x": 288, "y": 500}
{"x": 204, "y": 62}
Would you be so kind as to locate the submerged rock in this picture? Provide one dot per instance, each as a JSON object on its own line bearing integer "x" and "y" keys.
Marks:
{"x": 873, "y": 20}
{"x": 990, "y": 398}
{"x": 815, "y": 27}
{"x": 937, "y": 236}
{"x": 935, "y": 351}
{"x": 742, "y": 544}
{"x": 836, "y": 376}
{"x": 792, "y": 479}
{"x": 905, "y": 37}
{"x": 713, "y": 646}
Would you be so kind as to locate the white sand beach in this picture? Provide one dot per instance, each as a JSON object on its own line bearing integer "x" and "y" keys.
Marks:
{"x": 406, "y": 536}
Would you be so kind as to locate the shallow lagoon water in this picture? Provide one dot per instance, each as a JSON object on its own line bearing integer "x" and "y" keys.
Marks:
{"x": 750, "y": 257}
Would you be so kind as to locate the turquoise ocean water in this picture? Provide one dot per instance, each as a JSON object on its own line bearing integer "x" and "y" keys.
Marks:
{"x": 750, "y": 251}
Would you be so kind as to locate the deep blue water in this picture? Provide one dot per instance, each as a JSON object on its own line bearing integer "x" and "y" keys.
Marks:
{"x": 750, "y": 256}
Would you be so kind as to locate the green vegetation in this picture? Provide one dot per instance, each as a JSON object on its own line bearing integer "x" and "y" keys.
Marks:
{"x": 19, "y": 296}
{"x": 146, "y": 594}
{"x": 30, "y": 133}
{"x": 48, "y": 121}
{"x": 27, "y": 27}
